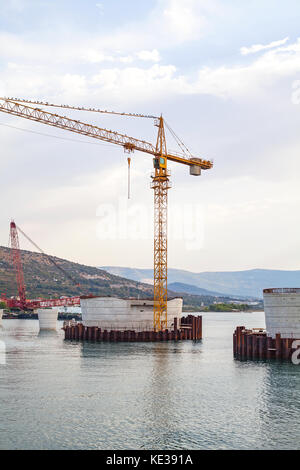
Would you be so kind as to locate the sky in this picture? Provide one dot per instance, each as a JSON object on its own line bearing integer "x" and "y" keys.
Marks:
{"x": 226, "y": 77}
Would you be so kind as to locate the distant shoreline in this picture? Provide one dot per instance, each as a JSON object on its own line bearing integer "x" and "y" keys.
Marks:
{"x": 34, "y": 316}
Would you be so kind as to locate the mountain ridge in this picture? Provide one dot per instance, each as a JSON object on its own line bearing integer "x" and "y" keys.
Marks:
{"x": 190, "y": 289}
{"x": 247, "y": 283}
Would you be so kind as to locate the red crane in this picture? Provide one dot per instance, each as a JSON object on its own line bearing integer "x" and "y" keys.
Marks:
{"x": 21, "y": 302}
{"x": 17, "y": 262}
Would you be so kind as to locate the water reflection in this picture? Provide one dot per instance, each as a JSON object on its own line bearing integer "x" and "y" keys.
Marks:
{"x": 157, "y": 399}
{"x": 280, "y": 405}
{"x": 164, "y": 405}
{"x": 48, "y": 334}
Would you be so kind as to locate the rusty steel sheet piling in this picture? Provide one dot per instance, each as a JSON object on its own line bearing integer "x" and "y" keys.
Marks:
{"x": 255, "y": 344}
{"x": 186, "y": 328}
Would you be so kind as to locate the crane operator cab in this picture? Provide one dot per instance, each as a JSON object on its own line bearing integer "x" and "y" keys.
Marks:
{"x": 160, "y": 162}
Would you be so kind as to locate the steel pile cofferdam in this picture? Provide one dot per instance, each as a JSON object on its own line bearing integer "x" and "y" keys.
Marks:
{"x": 279, "y": 340}
{"x": 116, "y": 319}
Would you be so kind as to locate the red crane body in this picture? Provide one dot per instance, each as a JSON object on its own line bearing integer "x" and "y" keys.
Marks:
{"x": 21, "y": 302}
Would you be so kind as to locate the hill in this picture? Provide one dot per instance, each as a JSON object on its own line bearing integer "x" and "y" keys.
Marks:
{"x": 44, "y": 280}
{"x": 237, "y": 283}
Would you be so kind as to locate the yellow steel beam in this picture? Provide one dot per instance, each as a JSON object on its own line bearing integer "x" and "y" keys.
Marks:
{"x": 62, "y": 122}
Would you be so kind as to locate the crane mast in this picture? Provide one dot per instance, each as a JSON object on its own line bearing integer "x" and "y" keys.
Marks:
{"x": 160, "y": 184}
{"x": 160, "y": 179}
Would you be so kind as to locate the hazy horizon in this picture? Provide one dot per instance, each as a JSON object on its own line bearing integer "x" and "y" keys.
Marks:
{"x": 151, "y": 268}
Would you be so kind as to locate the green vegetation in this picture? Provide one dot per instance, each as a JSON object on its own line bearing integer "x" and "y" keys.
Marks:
{"x": 224, "y": 307}
{"x": 3, "y": 305}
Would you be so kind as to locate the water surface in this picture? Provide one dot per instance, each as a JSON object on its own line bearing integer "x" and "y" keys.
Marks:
{"x": 61, "y": 395}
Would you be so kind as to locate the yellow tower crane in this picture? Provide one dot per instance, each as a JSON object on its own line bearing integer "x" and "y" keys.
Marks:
{"x": 160, "y": 178}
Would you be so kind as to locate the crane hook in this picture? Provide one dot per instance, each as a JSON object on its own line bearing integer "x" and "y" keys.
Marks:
{"x": 129, "y": 161}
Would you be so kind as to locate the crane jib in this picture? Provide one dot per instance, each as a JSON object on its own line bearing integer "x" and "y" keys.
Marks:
{"x": 128, "y": 143}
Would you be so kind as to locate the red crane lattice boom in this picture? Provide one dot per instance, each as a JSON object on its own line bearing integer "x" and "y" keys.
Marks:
{"x": 17, "y": 262}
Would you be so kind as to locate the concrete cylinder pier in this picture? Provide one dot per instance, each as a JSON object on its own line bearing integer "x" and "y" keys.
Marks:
{"x": 282, "y": 311}
{"x": 48, "y": 318}
{"x": 111, "y": 313}
{"x": 1, "y": 314}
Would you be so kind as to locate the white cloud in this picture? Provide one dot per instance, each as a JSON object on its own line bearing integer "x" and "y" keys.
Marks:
{"x": 127, "y": 59}
{"x": 94, "y": 56}
{"x": 244, "y": 80}
{"x": 184, "y": 19}
{"x": 170, "y": 23}
{"x": 151, "y": 56}
{"x": 260, "y": 47}
{"x": 20, "y": 49}
{"x": 33, "y": 76}
{"x": 135, "y": 83}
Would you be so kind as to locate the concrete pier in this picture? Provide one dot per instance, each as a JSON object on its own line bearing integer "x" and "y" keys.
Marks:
{"x": 113, "y": 313}
{"x": 282, "y": 311}
{"x": 48, "y": 318}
